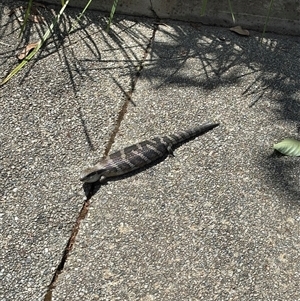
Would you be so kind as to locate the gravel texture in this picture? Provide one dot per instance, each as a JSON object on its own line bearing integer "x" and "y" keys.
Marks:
{"x": 56, "y": 117}
{"x": 219, "y": 221}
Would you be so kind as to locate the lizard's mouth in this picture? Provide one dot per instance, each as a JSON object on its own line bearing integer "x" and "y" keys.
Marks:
{"x": 91, "y": 177}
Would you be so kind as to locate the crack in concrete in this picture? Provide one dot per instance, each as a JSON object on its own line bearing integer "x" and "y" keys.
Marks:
{"x": 86, "y": 204}
{"x": 69, "y": 246}
{"x": 129, "y": 94}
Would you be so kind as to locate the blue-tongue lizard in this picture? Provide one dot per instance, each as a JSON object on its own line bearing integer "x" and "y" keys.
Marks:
{"x": 141, "y": 154}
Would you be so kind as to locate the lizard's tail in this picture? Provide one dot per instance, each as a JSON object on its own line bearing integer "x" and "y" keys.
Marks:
{"x": 186, "y": 135}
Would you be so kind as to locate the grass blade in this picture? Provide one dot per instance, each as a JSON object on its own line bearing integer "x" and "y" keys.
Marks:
{"x": 231, "y": 11}
{"x": 112, "y": 12}
{"x": 27, "y": 13}
{"x": 83, "y": 11}
{"x": 203, "y": 8}
{"x": 37, "y": 48}
{"x": 267, "y": 19}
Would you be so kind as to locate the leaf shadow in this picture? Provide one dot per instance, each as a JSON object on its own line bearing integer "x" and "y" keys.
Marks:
{"x": 273, "y": 64}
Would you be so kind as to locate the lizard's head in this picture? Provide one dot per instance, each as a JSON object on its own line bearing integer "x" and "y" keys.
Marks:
{"x": 90, "y": 175}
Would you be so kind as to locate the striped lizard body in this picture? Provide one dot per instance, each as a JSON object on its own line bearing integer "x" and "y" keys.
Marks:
{"x": 141, "y": 154}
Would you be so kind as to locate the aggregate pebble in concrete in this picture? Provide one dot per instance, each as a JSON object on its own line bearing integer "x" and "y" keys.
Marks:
{"x": 55, "y": 117}
{"x": 220, "y": 221}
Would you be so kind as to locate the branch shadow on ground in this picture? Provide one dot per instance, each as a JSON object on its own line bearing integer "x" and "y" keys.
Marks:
{"x": 273, "y": 64}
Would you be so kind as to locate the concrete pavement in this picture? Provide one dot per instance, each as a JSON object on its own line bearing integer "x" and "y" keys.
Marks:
{"x": 219, "y": 221}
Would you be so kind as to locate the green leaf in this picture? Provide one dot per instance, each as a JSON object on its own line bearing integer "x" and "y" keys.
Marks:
{"x": 289, "y": 147}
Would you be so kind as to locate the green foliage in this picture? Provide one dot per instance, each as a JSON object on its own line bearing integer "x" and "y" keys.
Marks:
{"x": 267, "y": 19}
{"x": 289, "y": 147}
{"x": 231, "y": 11}
{"x": 37, "y": 48}
{"x": 112, "y": 12}
{"x": 48, "y": 33}
{"x": 27, "y": 14}
{"x": 85, "y": 8}
{"x": 204, "y": 5}
{"x": 203, "y": 8}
